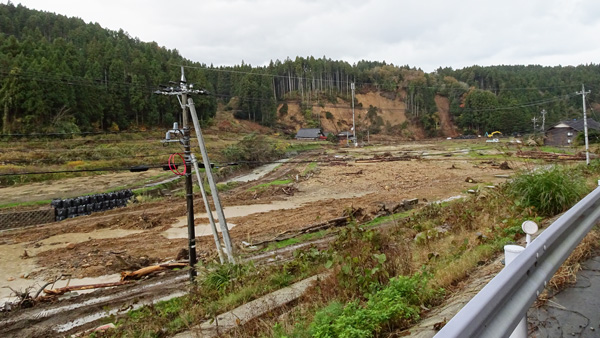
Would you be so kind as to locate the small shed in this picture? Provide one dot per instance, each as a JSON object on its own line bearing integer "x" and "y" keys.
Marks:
{"x": 565, "y": 132}
{"x": 310, "y": 134}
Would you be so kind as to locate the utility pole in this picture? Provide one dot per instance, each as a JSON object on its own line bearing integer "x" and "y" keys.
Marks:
{"x": 543, "y": 119}
{"x": 534, "y": 120}
{"x": 353, "y": 122}
{"x": 585, "y": 129}
{"x": 181, "y": 93}
{"x": 189, "y": 188}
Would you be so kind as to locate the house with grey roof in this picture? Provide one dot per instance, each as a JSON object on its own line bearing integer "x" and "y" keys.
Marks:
{"x": 310, "y": 134}
{"x": 565, "y": 132}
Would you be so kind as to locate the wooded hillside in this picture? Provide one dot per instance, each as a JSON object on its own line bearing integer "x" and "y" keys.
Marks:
{"x": 60, "y": 74}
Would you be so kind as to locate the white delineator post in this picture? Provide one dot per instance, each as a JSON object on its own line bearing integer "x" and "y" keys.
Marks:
{"x": 510, "y": 253}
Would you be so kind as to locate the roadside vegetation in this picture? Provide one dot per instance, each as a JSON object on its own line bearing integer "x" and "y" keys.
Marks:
{"x": 380, "y": 276}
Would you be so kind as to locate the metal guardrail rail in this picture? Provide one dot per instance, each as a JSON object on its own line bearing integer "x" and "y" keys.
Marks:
{"x": 497, "y": 309}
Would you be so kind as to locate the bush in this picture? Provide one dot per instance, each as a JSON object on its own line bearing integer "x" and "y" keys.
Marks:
{"x": 392, "y": 307}
{"x": 549, "y": 192}
{"x": 593, "y": 137}
{"x": 252, "y": 150}
{"x": 332, "y": 138}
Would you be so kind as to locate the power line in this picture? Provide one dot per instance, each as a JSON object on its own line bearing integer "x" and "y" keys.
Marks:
{"x": 134, "y": 169}
{"x": 348, "y": 82}
{"x": 85, "y": 133}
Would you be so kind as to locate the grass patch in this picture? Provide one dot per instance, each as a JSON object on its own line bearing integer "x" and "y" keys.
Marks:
{"x": 311, "y": 167}
{"x": 222, "y": 187}
{"x": 268, "y": 184}
{"x": 296, "y": 240}
{"x": 25, "y": 204}
{"x": 389, "y": 218}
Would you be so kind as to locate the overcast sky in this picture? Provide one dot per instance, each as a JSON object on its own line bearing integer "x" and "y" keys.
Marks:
{"x": 422, "y": 33}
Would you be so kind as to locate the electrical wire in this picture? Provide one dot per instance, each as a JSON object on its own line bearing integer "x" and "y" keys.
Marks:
{"x": 62, "y": 160}
{"x": 346, "y": 82}
{"x": 81, "y": 133}
{"x": 82, "y": 170}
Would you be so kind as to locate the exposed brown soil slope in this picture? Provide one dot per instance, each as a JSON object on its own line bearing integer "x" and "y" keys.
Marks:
{"x": 446, "y": 125}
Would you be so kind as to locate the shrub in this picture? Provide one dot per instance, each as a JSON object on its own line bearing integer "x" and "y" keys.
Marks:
{"x": 549, "y": 192}
{"x": 252, "y": 150}
{"x": 394, "y": 306}
{"x": 332, "y": 138}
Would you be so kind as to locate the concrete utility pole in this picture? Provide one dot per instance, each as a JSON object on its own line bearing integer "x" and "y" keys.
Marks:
{"x": 543, "y": 119}
{"x": 585, "y": 129}
{"x": 182, "y": 92}
{"x": 534, "y": 120}
{"x": 189, "y": 189}
{"x": 353, "y": 122}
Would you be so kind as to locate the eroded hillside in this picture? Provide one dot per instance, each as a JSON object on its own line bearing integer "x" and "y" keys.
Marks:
{"x": 376, "y": 111}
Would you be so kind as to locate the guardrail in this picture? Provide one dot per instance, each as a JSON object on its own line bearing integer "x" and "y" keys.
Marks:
{"x": 497, "y": 309}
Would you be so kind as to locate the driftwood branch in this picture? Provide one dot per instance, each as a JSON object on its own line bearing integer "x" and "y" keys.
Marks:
{"x": 129, "y": 275}
{"x": 334, "y": 222}
{"x": 60, "y": 291}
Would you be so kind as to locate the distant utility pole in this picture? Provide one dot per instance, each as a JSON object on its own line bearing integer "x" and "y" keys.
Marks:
{"x": 544, "y": 112}
{"x": 353, "y": 122}
{"x": 585, "y": 129}
{"x": 534, "y": 120}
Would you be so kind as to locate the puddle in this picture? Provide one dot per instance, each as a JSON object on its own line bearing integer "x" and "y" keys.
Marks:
{"x": 12, "y": 266}
{"x": 201, "y": 230}
{"x": 257, "y": 172}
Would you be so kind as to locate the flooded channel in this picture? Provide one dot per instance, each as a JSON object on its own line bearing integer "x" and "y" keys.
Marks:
{"x": 258, "y": 172}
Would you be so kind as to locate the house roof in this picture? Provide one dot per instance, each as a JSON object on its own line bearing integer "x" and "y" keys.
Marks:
{"x": 577, "y": 124}
{"x": 309, "y": 133}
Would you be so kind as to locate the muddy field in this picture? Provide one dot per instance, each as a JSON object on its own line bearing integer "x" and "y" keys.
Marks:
{"x": 129, "y": 238}
{"x": 325, "y": 184}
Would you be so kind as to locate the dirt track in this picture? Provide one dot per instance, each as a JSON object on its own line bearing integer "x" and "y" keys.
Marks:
{"x": 124, "y": 239}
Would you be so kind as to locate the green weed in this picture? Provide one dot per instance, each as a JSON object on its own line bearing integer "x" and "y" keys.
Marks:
{"x": 268, "y": 184}
{"x": 549, "y": 192}
{"x": 394, "y": 306}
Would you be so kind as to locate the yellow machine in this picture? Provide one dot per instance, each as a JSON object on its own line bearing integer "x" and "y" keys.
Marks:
{"x": 494, "y": 133}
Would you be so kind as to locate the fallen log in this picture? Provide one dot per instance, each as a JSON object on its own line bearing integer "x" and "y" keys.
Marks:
{"x": 360, "y": 172}
{"x": 332, "y": 223}
{"x": 60, "y": 291}
{"x": 384, "y": 159}
{"x": 129, "y": 275}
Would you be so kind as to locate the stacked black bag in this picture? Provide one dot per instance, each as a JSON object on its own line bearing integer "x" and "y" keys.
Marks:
{"x": 85, "y": 205}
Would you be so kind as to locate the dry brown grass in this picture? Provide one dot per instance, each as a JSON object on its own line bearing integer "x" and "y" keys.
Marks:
{"x": 566, "y": 275}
